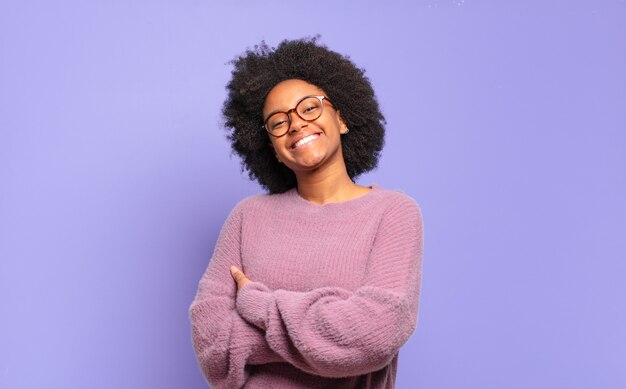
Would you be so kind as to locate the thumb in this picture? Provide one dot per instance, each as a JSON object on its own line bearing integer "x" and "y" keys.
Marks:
{"x": 236, "y": 273}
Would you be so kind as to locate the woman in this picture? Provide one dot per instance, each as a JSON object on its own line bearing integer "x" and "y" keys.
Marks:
{"x": 316, "y": 284}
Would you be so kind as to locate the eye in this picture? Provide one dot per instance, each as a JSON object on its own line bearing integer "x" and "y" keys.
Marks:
{"x": 277, "y": 120}
{"x": 278, "y": 124}
{"x": 309, "y": 108}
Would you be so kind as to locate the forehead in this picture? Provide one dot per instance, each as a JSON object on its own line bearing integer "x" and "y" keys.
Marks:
{"x": 286, "y": 94}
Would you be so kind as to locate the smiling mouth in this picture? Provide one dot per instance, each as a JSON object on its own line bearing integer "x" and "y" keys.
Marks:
{"x": 305, "y": 140}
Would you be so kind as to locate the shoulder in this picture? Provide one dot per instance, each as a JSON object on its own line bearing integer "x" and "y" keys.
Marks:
{"x": 401, "y": 212}
{"x": 396, "y": 199}
{"x": 257, "y": 202}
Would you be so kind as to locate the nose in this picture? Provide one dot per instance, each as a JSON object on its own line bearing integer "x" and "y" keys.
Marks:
{"x": 296, "y": 122}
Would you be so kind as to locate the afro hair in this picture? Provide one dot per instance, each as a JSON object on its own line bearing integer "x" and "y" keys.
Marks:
{"x": 258, "y": 70}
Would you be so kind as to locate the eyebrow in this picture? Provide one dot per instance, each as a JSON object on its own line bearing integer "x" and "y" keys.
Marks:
{"x": 271, "y": 113}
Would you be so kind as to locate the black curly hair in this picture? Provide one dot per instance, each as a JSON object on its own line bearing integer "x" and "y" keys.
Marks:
{"x": 258, "y": 70}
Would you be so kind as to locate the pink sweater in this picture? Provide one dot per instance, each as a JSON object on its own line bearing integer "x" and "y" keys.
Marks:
{"x": 334, "y": 294}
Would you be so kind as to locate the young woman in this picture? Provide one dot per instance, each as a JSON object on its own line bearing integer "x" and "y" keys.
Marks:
{"x": 315, "y": 284}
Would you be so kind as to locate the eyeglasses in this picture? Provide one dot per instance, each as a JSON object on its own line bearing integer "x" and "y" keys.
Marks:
{"x": 309, "y": 108}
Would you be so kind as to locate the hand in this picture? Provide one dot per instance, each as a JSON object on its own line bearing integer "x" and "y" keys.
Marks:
{"x": 239, "y": 277}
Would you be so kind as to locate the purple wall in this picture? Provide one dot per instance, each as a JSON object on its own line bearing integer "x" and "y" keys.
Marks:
{"x": 507, "y": 123}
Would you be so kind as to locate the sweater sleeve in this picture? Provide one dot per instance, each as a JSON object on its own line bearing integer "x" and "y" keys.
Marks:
{"x": 225, "y": 343}
{"x": 334, "y": 332}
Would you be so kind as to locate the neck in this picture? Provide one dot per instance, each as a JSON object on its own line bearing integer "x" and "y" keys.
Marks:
{"x": 328, "y": 186}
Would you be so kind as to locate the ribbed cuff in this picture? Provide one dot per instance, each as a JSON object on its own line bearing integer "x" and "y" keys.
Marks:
{"x": 253, "y": 301}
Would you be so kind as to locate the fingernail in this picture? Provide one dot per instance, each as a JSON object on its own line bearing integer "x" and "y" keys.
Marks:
{"x": 233, "y": 270}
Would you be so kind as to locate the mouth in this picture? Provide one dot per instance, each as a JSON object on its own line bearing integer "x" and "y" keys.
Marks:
{"x": 304, "y": 141}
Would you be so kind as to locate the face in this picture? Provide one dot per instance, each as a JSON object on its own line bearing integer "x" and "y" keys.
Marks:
{"x": 306, "y": 146}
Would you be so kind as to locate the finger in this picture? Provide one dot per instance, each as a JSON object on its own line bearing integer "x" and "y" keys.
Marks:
{"x": 236, "y": 273}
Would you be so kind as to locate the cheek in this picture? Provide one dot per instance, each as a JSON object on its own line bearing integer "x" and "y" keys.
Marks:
{"x": 277, "y": 146}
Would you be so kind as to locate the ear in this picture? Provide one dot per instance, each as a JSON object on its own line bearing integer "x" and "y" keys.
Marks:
{"x": 343, "y": 128}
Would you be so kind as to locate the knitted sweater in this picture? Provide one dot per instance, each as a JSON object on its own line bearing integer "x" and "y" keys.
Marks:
{"x": 333, "y": 297}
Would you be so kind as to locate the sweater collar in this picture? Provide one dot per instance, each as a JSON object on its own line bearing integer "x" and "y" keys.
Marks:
{"x": 344, "y": 207}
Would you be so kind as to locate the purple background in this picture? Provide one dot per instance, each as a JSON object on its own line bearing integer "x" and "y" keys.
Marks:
{"x": 506, "y": 122}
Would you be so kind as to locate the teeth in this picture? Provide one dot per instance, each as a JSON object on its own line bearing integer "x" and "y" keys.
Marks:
{"x": 304, "y": 140}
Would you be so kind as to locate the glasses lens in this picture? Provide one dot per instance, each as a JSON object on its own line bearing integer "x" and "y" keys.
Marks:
{"x": 309, "y": 108}
{"x": 277, "y": 123}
